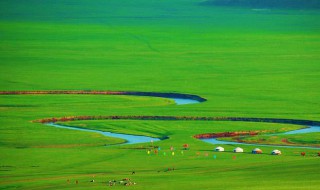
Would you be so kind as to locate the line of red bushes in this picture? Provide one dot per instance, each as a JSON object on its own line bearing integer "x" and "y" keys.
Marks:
{"x": 141, "y": 117}
{"x": 99, "y": 92}
{"x": 226, "y": 134}
{"x": 194, "y": 118}
{"x": 73, "y": 118}
{"x": 62, "y": 92}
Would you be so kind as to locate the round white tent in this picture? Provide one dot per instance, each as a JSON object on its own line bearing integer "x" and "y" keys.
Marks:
{"x": 219, "y": 149}
{"x": 257, "y": 151}
{"x": 238, "y": 149}
{"x": 276, "y": 152}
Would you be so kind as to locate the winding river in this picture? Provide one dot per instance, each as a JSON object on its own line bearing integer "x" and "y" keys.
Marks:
{"x": 310, "y": 129}
{"x": 134, "y": 139}
{"x": 179, "y": 99}
{"x": 129, "y": 139}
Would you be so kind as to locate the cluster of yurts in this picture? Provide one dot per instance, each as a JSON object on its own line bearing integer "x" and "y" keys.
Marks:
{"x": 254, "y": 151}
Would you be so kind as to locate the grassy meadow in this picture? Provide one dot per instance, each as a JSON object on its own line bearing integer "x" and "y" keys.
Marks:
{"x": 246, "y": 62}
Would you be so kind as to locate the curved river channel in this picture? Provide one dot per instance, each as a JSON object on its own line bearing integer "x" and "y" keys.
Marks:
{"x": 310, "y": 129}
{"x": 134, "y": 139}
{"x": 130, "y": 139}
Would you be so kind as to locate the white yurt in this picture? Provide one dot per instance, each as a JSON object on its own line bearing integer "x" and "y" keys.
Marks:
{"x": 276, "y": 152}
{"x": 257, "y": 151}
{"x": 238, "y": 149}
{"x": 219, "y": 149}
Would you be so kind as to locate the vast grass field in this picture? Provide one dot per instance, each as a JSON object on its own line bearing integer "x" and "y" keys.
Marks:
{"x": 246, "y": 62}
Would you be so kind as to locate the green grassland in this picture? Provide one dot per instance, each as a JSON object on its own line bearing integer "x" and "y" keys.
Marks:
{"x": 40, "y": 156}
{"x": 246, "y": 63}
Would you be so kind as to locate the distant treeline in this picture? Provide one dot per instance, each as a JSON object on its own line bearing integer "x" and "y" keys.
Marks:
{"x": 97, "y": 92}
{"x": 177, "y": 118}
{"x": 266, "y": 4}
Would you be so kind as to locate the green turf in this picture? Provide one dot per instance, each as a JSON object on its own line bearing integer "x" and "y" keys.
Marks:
{"x": 247, "y": 63}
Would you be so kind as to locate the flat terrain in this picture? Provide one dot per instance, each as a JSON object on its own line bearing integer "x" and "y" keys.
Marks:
{"x": 245, "y": 62}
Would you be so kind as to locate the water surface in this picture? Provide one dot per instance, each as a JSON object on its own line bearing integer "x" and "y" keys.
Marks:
{"x": 130, "y": 139}
{"x": 182, "y": 101}
{"x": 310, "y": 129}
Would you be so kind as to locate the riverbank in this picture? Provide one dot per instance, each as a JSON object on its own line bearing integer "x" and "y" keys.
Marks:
{"x": 97, "y": 92}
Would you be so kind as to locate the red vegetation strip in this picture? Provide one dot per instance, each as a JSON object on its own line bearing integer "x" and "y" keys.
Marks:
{"x": 61, "y": 92}
{"x": 97, "y": 92}
{"x": 191, "y": 118}
{"x": 154, "y": 94}
{"x": 226, "y": 134}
